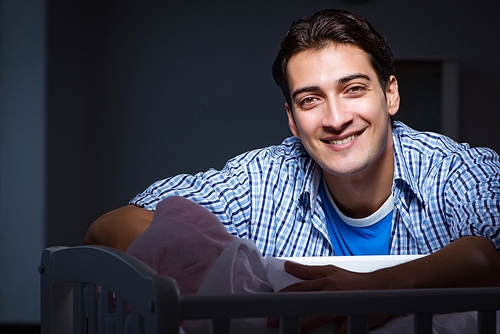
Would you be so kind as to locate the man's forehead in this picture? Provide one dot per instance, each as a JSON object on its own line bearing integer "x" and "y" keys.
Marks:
{"x": 329, "y": 48}
{"x": 336, "y": 63}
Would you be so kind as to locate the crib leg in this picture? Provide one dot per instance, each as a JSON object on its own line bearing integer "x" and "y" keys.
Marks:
{"x": 486, "y": 322}
{"x": 357, "y": 324}
{"x": 289, "y": 325}
{"x": 422, "y": 323}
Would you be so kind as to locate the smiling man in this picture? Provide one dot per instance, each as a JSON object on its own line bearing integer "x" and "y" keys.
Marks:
{"x": 341, "y": 114}
{"x": 350, "y": 181}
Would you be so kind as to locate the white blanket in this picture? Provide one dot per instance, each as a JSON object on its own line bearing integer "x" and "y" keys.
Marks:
{"x": 241, "y": 269}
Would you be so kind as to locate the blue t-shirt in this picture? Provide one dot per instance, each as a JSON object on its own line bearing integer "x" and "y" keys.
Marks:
{"x": 366, "y": 236}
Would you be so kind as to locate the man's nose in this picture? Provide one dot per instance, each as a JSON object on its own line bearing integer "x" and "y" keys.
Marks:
{"x": 337, "y": 115}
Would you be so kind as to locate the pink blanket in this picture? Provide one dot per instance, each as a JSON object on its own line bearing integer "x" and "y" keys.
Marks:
{"x": 183, "y": 242}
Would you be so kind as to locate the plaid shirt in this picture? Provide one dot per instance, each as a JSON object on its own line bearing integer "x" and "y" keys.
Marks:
{"x": 442, "y": 191}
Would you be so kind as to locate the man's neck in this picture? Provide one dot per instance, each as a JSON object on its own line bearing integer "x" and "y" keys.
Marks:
{"x": 360, "y": 195}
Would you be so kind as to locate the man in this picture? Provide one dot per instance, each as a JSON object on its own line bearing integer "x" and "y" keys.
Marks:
{"x": 350, "y": 181}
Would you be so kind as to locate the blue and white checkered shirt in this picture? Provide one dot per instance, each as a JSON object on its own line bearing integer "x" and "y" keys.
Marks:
{"x": 442, "y": 191}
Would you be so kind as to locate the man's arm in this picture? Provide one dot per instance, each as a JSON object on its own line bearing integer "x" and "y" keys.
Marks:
{"x": 467, "y": 262}
{"x": 119, "y": 228}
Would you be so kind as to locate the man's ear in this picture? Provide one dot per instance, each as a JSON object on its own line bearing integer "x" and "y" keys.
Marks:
{"x": 392, "y": 95}
{"x": 291, "y": 121}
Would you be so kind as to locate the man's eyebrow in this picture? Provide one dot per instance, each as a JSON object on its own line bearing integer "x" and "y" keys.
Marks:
{"x": 304, "y": 89}
{"x": 340, "y": 82}
{"x": 348, "y": 78}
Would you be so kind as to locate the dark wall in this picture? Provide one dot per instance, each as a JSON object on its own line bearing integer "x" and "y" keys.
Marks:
{"x": 138, "y": 91}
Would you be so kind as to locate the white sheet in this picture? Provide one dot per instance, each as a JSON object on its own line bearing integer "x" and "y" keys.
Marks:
{"x": 240, "y": 269}
{"x": 279, "y": 278}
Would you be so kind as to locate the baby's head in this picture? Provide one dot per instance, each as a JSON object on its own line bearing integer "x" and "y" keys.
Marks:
{"x": 183, "y": 242}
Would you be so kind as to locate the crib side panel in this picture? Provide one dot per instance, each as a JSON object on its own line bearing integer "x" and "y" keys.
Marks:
{"x": 65, "y": 271}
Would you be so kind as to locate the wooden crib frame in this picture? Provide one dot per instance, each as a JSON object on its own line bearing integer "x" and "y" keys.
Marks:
{"x": 157, "y": 306}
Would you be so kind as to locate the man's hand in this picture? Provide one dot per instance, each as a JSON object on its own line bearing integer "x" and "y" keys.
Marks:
{"x": 331, "y": 278}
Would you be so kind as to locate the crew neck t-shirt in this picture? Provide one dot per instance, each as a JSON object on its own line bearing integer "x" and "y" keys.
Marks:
{"x": 352, "y": 236}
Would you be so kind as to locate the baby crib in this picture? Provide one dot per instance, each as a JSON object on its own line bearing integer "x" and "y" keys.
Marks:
{"x": 150, "y": 303}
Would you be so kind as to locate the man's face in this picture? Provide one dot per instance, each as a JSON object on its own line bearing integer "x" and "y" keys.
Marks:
{"x": 339, "y": 110}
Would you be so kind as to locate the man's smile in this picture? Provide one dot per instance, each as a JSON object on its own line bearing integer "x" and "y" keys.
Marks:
{"x": 344, "y": 140}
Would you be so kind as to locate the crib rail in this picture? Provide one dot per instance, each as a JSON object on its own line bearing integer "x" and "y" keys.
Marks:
{"x": 358, "y": 304}
{"x": 157, "y": 307}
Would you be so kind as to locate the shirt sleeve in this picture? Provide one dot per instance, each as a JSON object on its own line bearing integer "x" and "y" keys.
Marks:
{"x": 473, "y": 196}
{"x": 225, "y": 193}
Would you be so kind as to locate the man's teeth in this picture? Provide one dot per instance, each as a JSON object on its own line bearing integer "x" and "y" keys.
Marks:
{"x": 343, "y": 141}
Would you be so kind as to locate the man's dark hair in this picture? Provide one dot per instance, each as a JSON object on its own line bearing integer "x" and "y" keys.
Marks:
{"x": 329, "y": 27}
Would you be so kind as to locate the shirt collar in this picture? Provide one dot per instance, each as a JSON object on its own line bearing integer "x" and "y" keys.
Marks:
{"x": 401, "y": 171}
{"x": 311, "y": 179}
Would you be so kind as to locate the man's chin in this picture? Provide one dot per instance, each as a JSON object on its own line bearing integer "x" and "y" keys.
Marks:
{"x": 345, "y": 168}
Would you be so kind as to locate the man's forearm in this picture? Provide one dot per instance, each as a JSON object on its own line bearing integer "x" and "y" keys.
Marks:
{"x": 119, "y": 228}
{"x": 467, "y": 262}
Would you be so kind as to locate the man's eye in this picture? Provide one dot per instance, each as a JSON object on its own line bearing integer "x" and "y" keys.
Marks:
{"x": 307, "y": 100}
{"x": 356, "y": 89}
